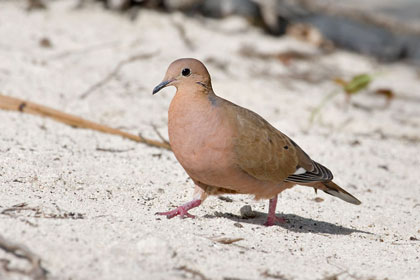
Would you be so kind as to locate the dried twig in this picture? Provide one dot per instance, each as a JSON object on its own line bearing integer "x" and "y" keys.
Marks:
{"x": 227, "y": 240}
{"x": 344, "y": 271}
{"x": 35, "y": 5}
{"x": 382, "y": 135}
{"x": 333, "y": 276}
{"x": 193, "y": 272}
{"x": 284, "y": 56}
{"x": 160, "y": 135}
{"x": 37, "y": 272}
{"x": 183, "y": 35}
{"x": 15, "y": 104}
{"x": 84, "y": 50}
{"x": 38, "y": 213}
{"x": 110, "y": 150}
{"x": 114, "y": 72}
{"x": 267, "y": 274}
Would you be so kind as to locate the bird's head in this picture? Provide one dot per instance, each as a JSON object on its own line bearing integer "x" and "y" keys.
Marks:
{"x": 185, "y": 71}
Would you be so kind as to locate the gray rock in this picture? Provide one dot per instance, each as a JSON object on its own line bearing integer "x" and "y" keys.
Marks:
{"x": 118, "y": 5}
{"x": 360, "y": 37}
{"x": 223, "y": 8}
{"x": 247, "y": 213}
{"x": 172, "y": 5}
{"x": 361, "y": 33}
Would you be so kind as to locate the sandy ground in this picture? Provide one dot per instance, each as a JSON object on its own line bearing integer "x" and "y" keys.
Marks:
{"x": 89, "y": 213}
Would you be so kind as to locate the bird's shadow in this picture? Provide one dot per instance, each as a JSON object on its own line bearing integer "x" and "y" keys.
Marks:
{"x": 293, "y": 223}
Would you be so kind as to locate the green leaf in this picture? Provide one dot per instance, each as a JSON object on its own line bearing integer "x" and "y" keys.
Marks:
{"x": 358, "y": 83}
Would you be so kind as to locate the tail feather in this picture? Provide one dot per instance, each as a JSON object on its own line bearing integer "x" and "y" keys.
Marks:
{"x": 334, "y": 190}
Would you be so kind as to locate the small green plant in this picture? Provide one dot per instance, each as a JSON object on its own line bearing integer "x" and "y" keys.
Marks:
{"x": 355, "y": 85}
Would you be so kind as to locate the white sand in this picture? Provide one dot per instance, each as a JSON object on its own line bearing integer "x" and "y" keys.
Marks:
{"x": 58, "y": 169}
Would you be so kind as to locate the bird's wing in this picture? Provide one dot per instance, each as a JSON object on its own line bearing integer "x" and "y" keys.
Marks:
{"x": 261, "y": 150}
{"x": 269, "y": 155}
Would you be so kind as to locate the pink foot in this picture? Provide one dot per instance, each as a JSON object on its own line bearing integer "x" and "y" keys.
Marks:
{"x": 273, "y": 220}
{"x": 182, "y": 210}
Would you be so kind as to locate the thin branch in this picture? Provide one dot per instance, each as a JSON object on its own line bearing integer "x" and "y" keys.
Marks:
{"x": 160, "y": 135}
{"x": 183, "y": 35}
{"x": 84, "y": 50}
{"x": 37, "y": 212}
{"x": 267, "y": 274}
{"x": 15, "y": 104}
{"x": 37, "y": 272}
{"x": 110, "y": 150}
{"x": 227, "y": 240}
{"x": 114, "y": 72}
{"x": 35, "y": 5}
{"x": 193, "y": 272}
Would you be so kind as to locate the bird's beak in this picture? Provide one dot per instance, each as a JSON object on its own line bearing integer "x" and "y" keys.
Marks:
{"x": 161, "y": 86}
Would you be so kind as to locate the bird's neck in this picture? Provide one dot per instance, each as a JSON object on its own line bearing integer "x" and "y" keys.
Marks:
{"x": 192, "y": 101}
{"x": 196, "y": 93}
{"x": 194, "y": 87}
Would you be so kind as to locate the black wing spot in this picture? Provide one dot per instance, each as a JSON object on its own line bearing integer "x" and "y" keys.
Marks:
{"x": 286, "y": 147}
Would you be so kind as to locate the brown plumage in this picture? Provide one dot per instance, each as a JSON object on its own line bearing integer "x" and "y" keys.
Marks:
{"x": 226, "y": 148}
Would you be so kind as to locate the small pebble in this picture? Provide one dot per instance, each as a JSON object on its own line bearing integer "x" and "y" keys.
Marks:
{"x": 247, "y": 213}
{"x": 318, "y": 199}
{"x": 45, "y": 42}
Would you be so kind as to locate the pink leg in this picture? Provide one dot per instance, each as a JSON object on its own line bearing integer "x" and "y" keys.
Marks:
{"x": 182, "y": 210}
{"x": 272, "y": 218}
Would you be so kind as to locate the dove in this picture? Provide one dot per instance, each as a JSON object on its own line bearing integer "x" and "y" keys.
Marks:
{"x": 228, "y": 149}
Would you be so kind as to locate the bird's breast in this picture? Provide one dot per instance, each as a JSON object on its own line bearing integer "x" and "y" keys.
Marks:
{"x": 200, "y": 136}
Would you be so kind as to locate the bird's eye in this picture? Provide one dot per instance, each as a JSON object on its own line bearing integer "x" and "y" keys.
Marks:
{"x": 186, "y": 72}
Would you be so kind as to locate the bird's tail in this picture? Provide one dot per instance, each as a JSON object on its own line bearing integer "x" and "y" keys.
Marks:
{"x": 333, "y": 189}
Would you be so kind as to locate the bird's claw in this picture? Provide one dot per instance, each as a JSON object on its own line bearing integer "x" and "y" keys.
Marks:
{"x": 180, "y": 211}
